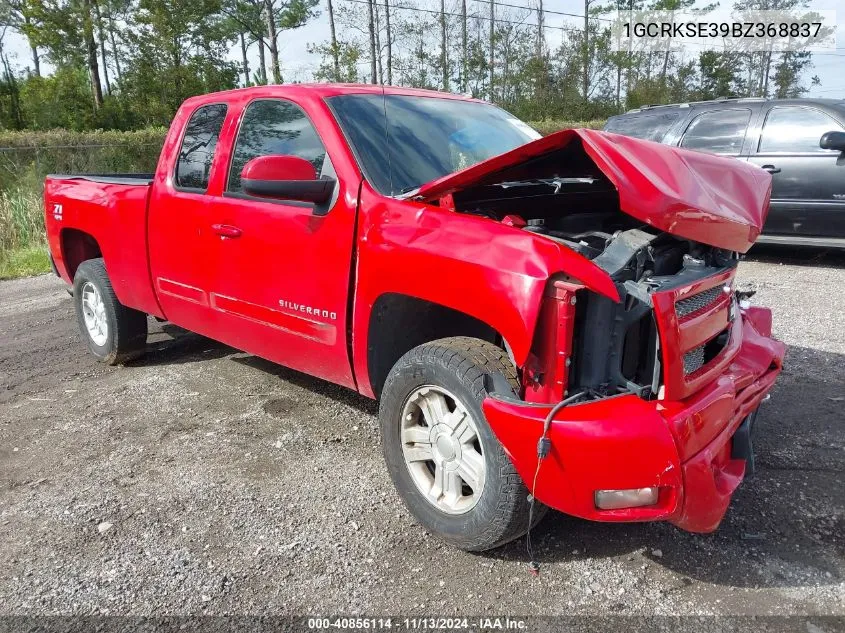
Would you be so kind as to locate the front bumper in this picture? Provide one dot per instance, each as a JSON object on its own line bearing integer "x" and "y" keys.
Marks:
{"x": 683, "y": 447}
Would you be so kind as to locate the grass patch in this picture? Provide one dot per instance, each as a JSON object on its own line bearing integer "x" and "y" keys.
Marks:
{"x": 23, "y": 250}
{"x": 21, "y": 216}
{"x": 24, "y": 262}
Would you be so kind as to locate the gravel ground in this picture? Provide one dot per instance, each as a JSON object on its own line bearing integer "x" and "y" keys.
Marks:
{"x": 203, "y": 480}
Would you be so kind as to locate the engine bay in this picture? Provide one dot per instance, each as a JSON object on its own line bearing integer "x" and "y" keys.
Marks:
{"x": 565, "y": 197}
{"x": 624, "y": 248}
{"x": 590, "y": 244}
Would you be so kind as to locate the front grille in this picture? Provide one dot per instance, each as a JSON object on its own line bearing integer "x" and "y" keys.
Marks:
{"x": 696, "y": 329}
{"x": 694, "y": 360}
{"x": 699, "y": 356}
{"x": 697, "y": 302}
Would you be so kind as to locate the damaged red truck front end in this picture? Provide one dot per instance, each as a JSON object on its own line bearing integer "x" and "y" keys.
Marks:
{"x": 665, "y": 361}
{"x": 691, "y": 451}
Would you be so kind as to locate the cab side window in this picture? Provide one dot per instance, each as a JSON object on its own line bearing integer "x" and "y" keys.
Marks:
{"x": 201, "y": 135}
{"x": 274, "y": 127}
{"x": 795, "y": 130}
{"x": 719, "y": 132}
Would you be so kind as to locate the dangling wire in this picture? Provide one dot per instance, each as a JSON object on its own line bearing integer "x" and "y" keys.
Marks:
{"x": 533, "y": 565}
{"x": 544, "y": 445}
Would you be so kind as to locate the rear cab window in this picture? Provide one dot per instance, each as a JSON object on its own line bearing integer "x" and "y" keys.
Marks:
{"x": 651, "y": 127}
{"x": 796, "y": 130}
{"x": 193, "y": 166}
{"x": 718, "y": 131}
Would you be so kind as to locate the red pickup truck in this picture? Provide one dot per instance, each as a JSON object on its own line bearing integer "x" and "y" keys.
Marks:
{"x": 550, "y": 319}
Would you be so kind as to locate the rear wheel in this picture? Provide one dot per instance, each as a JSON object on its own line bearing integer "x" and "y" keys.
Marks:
{"x": 447, "y": 465}
{"x": 114, "y": 333}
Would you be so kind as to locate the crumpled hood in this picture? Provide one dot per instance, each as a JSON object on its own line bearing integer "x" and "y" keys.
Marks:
{"x": 710, "y": 199}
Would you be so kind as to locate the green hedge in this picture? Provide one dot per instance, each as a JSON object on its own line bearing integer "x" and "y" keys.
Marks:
{"x": 27, "y": 156}
{"x": 30, "y": 138}
{"x": 547, "y": 127}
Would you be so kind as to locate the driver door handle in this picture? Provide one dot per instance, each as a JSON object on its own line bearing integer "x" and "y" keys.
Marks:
{"x": 771, "y": 169}
{"x": 226, "y": 230}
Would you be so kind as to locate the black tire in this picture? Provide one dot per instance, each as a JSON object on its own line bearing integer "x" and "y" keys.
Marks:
{"x": 126, "y": 336}
{"x": 458, "y": 365}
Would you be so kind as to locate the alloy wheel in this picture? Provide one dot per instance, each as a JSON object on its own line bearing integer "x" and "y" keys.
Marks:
{"x": 442, "y": 449}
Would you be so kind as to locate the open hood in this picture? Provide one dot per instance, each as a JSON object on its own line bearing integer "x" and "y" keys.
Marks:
{"x": 711, "y": 199}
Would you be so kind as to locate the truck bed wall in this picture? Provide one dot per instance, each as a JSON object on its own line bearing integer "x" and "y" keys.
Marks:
{"x": 114, "y": 214}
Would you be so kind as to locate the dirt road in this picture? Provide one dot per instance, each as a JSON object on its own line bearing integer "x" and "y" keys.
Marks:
{"x": 203, "y": 480}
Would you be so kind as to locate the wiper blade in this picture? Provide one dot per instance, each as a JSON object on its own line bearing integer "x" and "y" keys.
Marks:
{"x": 557, "y": 183}
{"x": 407, "y": 192}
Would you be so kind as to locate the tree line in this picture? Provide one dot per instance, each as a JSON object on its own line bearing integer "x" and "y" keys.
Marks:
{"x": 128, "y": 64}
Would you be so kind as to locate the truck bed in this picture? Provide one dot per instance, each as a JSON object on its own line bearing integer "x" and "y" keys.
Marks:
{"x": 92, "y": 215}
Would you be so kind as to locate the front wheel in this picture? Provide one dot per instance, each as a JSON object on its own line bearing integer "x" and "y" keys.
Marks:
{"x": 447, "y": 465}
{"x": 114, "y": 333}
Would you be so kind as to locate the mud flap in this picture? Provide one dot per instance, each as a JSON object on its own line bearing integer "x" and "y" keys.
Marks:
{"x": 742, "y": 446}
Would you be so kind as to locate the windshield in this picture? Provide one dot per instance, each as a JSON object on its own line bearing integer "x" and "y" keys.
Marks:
{"x": 403, "y": 142}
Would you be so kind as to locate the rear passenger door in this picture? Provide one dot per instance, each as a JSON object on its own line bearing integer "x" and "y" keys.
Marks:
{"x": 808, "y": 183}
{"x": 179, "y": 235}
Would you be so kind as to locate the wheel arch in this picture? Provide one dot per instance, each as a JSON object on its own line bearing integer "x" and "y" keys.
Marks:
{"x": 77, "y": 246}
{"x": 400, "y": 322}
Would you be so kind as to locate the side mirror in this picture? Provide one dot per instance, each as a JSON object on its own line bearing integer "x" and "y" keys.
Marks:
{"x": 285, "y": 178}
{"x": 833, "y": 140}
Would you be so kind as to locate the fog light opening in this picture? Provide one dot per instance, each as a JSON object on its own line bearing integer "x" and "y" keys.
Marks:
{"x": 630, "y": 498}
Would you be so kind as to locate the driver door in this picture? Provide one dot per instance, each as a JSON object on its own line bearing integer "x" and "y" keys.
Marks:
{"x": 281, "y": 281}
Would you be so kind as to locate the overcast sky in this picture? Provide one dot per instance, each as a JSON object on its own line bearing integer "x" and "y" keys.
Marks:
{"x": 298, "y": 64}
